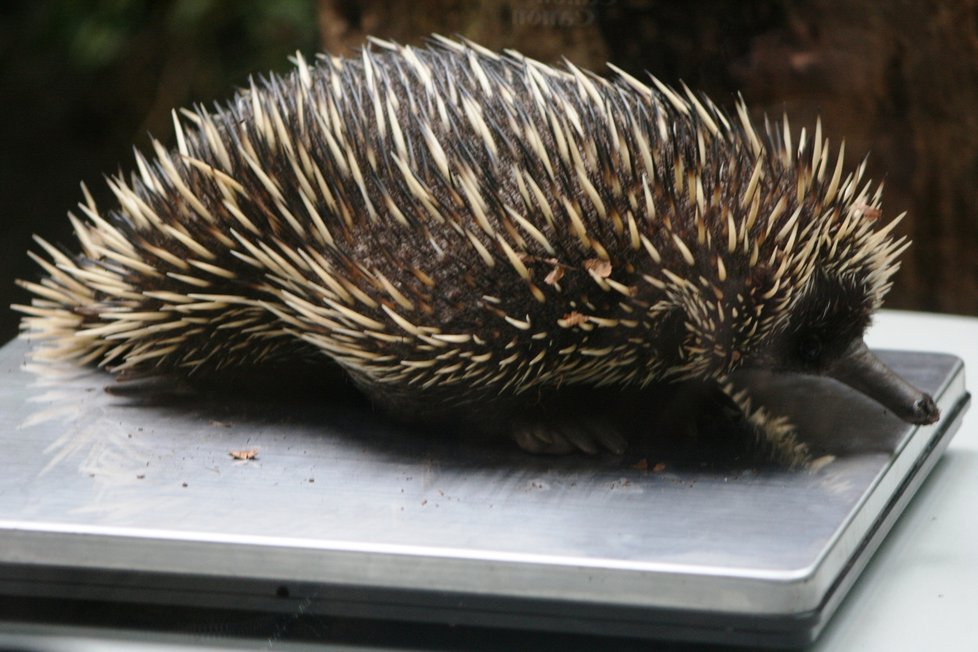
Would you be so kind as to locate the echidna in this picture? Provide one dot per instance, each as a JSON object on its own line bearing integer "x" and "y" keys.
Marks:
{"x": 470, "y": 234}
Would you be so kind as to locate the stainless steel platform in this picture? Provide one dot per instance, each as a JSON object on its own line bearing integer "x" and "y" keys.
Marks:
{"x": 107, "y": 497}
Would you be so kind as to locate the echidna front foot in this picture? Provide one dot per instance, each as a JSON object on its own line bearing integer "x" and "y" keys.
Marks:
{"x": 703, "y": 423}
{"x": 772, "y": 438}
{"x": 694, "y": 421}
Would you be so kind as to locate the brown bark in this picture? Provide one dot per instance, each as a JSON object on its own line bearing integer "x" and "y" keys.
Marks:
{"x": 543, "y": 30}
{"x": 899, "y": 80}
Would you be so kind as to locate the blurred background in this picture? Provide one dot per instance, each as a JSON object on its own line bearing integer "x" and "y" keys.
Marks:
{"x": 82, "y": 82}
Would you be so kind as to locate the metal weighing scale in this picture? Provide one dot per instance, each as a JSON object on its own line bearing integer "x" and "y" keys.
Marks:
{"x": 107, "y": 497}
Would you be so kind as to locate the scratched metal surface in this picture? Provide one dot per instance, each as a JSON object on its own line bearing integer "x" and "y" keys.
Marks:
{"x": 93, "y": 479}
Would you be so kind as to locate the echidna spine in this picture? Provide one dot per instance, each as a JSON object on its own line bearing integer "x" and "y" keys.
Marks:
{"x": 454, "y": 219}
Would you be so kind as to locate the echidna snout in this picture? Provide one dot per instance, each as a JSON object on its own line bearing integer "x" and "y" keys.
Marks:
{"x": 824, "y": 337}
{"x": 864, "y": 372}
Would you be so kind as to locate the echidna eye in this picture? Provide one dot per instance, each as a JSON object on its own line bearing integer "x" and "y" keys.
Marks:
{"x": 810, "y": 348}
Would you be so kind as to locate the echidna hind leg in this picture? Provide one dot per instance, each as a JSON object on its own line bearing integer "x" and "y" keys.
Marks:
{"x": 587, "y": 436}
{"x": 553, "y": 423}
{"x": 567, "y": 420}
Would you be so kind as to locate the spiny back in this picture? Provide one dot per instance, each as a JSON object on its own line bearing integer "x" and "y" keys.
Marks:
{"x": 450, "y": 217}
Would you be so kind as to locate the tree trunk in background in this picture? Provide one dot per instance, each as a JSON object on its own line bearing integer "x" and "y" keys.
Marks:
{"x": 546, "y": 30}
{"x": 897, "y": 79}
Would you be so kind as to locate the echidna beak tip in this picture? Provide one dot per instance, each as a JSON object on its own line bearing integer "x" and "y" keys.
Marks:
{"x": 925, "y": 411}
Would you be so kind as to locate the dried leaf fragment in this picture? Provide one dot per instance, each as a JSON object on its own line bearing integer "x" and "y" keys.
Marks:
{"x": 554, "y": 276}
{"x": 869, "y": 212}
{"x": 249, "y": 454}
{"x": 571, "y": 319}
{"x": 598, "y": 267}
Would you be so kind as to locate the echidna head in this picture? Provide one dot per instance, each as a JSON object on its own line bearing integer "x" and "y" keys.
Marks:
{"x": 824, "y": 336}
